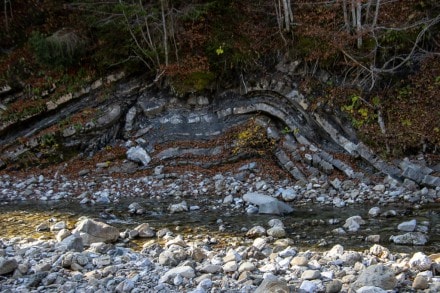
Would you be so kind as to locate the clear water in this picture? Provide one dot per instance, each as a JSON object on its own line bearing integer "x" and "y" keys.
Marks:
{"x": 308, "y": 225}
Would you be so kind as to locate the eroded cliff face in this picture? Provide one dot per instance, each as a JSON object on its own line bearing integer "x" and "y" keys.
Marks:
{"x": 270, "y": 120}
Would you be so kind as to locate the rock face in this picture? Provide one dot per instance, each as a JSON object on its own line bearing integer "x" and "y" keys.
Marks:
{"x": 92, "y": 231}
{"x": 267, "y": 204}
{"x": 154, "y": 119}
{"x": 376, "y": 275}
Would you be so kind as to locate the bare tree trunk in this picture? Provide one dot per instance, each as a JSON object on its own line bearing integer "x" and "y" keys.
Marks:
{"x": 376, "y": 14}
{"x": 5, "y": 2}
{"x": 279, "y": 15}
{"x": 288, "y": 15}
{"x": 165, "y": 33}
{"x": 353, "y": 13}
{"x": 359, "y": 23}
{"x": 346, "y": 20}
{"x": 367, "y": 11}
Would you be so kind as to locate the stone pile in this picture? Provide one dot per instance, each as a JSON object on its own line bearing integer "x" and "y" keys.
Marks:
{"x": 269, "y": 262}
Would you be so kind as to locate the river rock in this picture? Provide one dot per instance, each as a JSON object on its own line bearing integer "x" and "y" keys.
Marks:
{"x": 308, "y": 287}
{"x": 246, "y": 267}
{"x": 126, "y": 285}
{"x": 63, "y": 233}
{"x": 138, "y": 154}
{"x": 273, "y": 284}
{"x": 74, "y": 242}
{"x": 374, "y": 212}
{"x": 42, "y": 227}
{"x": 210, "y": 269}
{"x": 375, "y": 238}
{"x": 334, "y": 286}
{"x": 379, "y": 251}
{"x": 420, "y": 283}
{"x": 420, "y": 261}
{"x": 299, "y": 261}
{"x": 178, "y": 207}
{"x": 370, "y": 289}
{"x": 145, "y": 231}
{"x": 289, "y": 194}
{"x": 408, "y": 226}
{"x": 376, "y": 275}
{"x": 256, "y": 231}
{"x": 275, "y": 223}
{"x": 276, "y": 232}
{"x": 58, "y": 226}
{"x": 136, "y": 208}
{"x": 410, "y": 238}
{"x": 353, "y": 223}
{"x": 7, "y": 265}
{"x": 230, "y": 266}
{"x": 184, "y": 271}
{"x": 93, "y": 231}
{"x": 267, "y": 204}
{"x": 311, "y": 275}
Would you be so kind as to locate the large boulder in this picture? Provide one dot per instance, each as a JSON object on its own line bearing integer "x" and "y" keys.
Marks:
{"x": 267, "y": 204}
{"x": 92, "y": 231}
{"x": 378, "y": 276}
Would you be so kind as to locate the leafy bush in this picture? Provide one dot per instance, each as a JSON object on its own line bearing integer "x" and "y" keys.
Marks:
{"x": 63, "y": 48}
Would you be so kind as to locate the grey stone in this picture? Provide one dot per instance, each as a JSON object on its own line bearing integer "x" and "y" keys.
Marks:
{"x": 376, "y": 275}
{"x": 110, "y": 116}
{"x": 370, "y": 289}
{"x": 93, "y": 231}
{"x": 178, "y": 207}
{"x": 267, "y": 204}
{"x": 125, "y": 286}
{"x": 7, "y": 265}
{"x": 184, "y": 271}
{"x": 420, "y": 283}
{"x": 411, "y": 238}
{"x": 308, "y": 287}
{"x": 374, "y": 212}
{"x": 256, "y": 231}
{"x": 129, "y": 118}
{"x": 420, "y": 261}
{"x": 311, "y": 275}
{"x": 289, "y": 194}
{"x": 408, "y": 226}
{"x": 273, "y": 285}
{"x": 334, "y": 286}
{"x": 145, "y": 231}
{"x": 276, "y": 232}
{"x": 73, "y": 242}
{"x": 353, "y": 223}
{"x": 138, "y": 154}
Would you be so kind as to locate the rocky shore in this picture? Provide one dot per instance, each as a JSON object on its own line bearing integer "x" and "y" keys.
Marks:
{"x": 94, "y": 257}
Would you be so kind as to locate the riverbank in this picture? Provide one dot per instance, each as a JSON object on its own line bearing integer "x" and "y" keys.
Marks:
{"x": 196, "y": 255}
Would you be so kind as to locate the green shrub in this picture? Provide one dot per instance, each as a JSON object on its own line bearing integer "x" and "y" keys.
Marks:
{"x": 63, "y": 48}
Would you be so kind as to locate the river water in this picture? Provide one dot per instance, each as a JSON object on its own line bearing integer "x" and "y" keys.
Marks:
{"x": 309, "y": 225}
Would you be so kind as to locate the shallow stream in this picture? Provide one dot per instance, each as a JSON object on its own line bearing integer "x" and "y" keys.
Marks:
{"x": 309, "y": 225}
